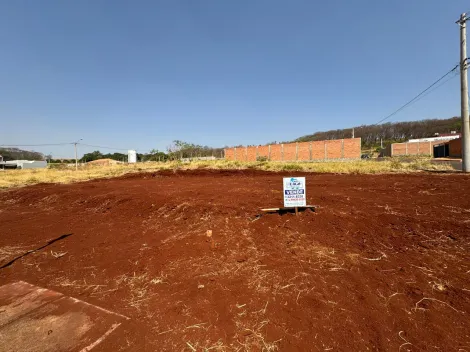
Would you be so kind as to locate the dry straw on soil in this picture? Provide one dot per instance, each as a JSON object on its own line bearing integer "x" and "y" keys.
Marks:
{"x": 18, "y": 178}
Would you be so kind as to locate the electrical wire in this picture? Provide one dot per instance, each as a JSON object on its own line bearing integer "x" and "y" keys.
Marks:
{"x": 33, "y": 145}
{"x": 98, "y": 146}
{"x": 438, "y": 86}
{"x": 58, "y": 144}
{"x": 420, "y": 95}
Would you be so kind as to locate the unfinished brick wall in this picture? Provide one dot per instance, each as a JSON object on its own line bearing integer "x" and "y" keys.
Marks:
{"x": 263, "y": 151}
{"x": 352, "y": 148}
{"x": 455, "y": 148}
{"x": 276, "y": 152}
{"x": 399, "y": 149}
{"x": 302, "y": 151}
{"x": 318, "y": 150}
{"x": 251, "y": 154}
{"x": 334, "y": 149}
{"x": 413, "y": 148}
{"x": 424, "y": 148}
{"x": 290, "y": 152}
{"x": 229, "y": 154}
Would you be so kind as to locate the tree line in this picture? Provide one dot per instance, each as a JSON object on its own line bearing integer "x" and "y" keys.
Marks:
{"x": 176, "y": 150}
{"x": 153, "y": 155}
{"x": 371, "y": 135}
{"x": 391, "y": 132}
{"x": 180, "y": 149}
{"x": 18, "y": 154}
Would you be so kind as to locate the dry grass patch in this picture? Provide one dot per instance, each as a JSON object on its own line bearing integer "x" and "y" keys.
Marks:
{"x": 10, "y": 252}
{"x": 139, "y": 287}
{"x": 18, "y": 178}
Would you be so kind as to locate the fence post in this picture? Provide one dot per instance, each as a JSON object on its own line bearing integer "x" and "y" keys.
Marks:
{"x": 310, "y": 151}
{"x": 246, "y": 153}
{"x": 269, "y": 152}
{"x": 430, "y": 151}
{"x": 257, "y": 155}
{"x": 235, "y": 153}
{"x": 282, "y": 152}
{"x": 297, "y": 151}
{"x": 406, "y": 148}
{"x": 342, "y": 149}
{"x": 391, "y": 149}
{"x": 326, "y": 153}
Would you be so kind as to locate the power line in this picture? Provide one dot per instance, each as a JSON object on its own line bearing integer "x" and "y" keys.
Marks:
{"x": 111, "y": 148}
{"x": 33, "y": 145}
{"x": 420, "y": 95}
{"x": 98, "y": 146}
{"x": 438, "y": 86}
{"x": 59, "y": 144}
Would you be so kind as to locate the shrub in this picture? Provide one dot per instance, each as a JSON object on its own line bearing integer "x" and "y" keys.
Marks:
{"x": 292, "y": 167}
{"x": 33, "y": 180}
{"x": 396, "y": 164}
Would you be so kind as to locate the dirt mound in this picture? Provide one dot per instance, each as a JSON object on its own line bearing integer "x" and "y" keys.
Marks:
{"x": 382, "y": 265}
{"x": 104, "y": 162}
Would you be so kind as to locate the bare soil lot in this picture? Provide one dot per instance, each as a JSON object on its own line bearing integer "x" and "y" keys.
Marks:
{"x": 383, "y": 265}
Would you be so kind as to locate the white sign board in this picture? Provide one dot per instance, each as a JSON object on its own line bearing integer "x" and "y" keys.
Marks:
{"x": 294, "y": 192}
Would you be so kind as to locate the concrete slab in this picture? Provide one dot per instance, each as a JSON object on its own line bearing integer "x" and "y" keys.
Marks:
{"x": 20, "y": 298}
{"x": 42, "y": 320}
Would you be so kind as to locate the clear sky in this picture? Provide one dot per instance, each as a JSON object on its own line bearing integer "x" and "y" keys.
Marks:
{"x": 139, "y": 74}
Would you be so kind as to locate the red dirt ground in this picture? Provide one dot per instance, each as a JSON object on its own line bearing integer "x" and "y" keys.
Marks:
{"x": 383, "y": 265}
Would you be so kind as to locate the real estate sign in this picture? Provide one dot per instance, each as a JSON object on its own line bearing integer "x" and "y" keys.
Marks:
{"x": 294, "y": 192}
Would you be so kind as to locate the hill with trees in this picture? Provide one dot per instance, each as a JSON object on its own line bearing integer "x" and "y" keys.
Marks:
{"x": 371, "y": 136}
{"x": 391, "y": 132}
{"x": 19, "y": 154}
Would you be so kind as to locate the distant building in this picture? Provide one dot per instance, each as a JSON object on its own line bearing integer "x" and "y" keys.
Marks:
{"x": 449, "y": 149}
{"x": 437, "y": 146}
{"x": 25, "y": 164}
{"x": 438, "y": 137}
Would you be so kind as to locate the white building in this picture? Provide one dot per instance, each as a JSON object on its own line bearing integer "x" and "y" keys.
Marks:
{"x": 25, "y": 164}
{"x": 131, "y": 156}
{"x": 442, "y": 137}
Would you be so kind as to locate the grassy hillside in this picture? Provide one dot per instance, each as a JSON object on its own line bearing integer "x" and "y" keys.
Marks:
{"x": 389, "y": 132}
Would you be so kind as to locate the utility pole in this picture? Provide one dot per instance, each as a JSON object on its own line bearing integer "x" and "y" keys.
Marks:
{"x": 353, "y": 133}
{"x": 464, "y": 94}
{"x": 76, "y": 157}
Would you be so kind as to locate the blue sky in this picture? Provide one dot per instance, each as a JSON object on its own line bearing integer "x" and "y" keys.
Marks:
{"x": 139, "y": 74}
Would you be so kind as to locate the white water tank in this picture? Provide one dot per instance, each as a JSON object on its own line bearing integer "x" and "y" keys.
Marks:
{"x": 131, "y": 156}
